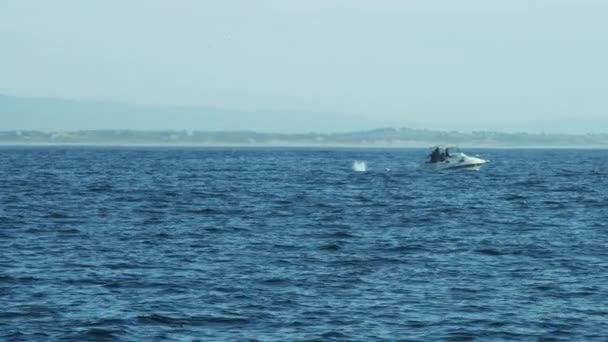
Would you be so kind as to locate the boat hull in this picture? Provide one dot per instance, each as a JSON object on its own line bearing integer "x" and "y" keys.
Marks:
{"x": 460, "y": 161}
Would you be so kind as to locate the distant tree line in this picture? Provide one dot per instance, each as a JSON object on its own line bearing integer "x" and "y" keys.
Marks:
{"x": 384, "y": 136}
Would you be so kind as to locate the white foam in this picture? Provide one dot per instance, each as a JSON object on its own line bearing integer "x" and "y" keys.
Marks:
{"x": 360, "y": 166}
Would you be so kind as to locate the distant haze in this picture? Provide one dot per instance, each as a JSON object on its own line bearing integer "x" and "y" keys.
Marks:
{"x": 516, "y": 65}
{"x": 44, "y": 114}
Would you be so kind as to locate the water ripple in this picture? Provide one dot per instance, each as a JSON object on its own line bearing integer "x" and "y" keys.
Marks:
{"x": 292, "y": 244}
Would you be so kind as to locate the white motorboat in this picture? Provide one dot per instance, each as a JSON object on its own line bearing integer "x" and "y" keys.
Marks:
{"x": 443, "y": 158}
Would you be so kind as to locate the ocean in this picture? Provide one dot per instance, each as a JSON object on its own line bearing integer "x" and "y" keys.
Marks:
{"x": 301, "y": 244}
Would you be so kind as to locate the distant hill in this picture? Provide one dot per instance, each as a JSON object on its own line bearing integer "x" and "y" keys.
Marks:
{"x": 26, "y": 120}
{"x": 47, "y": 114}
{"x": 387, "y": 137}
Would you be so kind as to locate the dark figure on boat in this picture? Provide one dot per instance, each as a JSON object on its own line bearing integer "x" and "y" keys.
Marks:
{"x": 436, "y": 155}
{"x": 439, "y": 155}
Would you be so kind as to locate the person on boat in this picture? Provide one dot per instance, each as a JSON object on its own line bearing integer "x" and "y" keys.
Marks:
{"x": 435, "y": 155}
{"x": 447, "y": 152}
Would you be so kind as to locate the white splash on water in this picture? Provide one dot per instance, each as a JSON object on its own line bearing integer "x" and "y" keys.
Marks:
{"x": 360, "y": 166}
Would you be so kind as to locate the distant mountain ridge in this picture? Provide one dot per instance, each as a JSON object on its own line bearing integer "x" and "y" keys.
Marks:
{"x": 49, "y": 114}
{"x": 26, "y": 120}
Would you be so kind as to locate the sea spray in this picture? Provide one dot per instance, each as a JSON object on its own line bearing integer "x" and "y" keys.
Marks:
{"x": 359, "y": 166}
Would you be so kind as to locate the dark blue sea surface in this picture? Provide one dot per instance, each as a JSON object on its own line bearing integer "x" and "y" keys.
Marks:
{"x": 228, "y": 244}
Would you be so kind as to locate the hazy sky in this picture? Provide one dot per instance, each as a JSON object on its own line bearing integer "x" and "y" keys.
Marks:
{"x": 402, "y": 61}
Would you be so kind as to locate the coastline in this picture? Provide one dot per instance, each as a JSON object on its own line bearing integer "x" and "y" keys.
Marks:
{"x": 297, "y": 145}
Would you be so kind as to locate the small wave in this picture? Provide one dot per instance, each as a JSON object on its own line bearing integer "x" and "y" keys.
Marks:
{"x": 100, "y": 188}
{"x": 19, "y": 336}
{"x": 121, "y": 266}
{"x": 86, "y": 281}
{"x": 461, "y": 336}
{"x": 595, "y": 203}
{"x": 283, "y": 202}
{"x": 489, "y": 251}
{"x": 204, "y": 211}
{"x": 530, "y": 183}
{"x": 226, "y": 289}
{"x": 56, "y": 215}
{"x": 8, "y": 220}
{"x": 324, "y": 205}
{"x": 29, "y": 311}
{"x": 69, "y": 231}
{"x": 333, "y": 335}
{"x": 162, "y": 236}
{"x": 554, "y": 204}
{"x": 7, "y": 315}
{"x": 6, "y": 279}
{"x": 17, "y": 280}
{"x": 408, "y": 249}
{"x": 330, "y": 247}
{"x": 103, "y": 334}
{"x": 285, "y": 247}
{"x": 363, "y": 199}
{"x": 190, "y": 321}
{"x": 341, "y": 235}
{"x": 546, "y": 287}
{"x": 515, "y": 197}
{"x": 129, "y": 199}
{"x": 275, "y": 281}
{"x": 534, "y": 251}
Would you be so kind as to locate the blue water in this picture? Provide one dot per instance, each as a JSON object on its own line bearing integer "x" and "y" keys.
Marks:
{"x": 294, "y": 245}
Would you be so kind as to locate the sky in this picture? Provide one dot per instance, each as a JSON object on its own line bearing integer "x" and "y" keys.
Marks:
{"x": 426, "y": 63}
